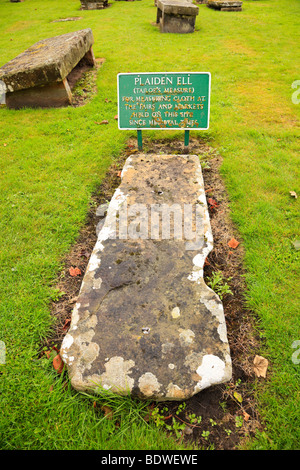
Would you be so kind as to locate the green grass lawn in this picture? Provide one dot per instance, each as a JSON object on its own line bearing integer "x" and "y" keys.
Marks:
{"x": 52, "y": 160}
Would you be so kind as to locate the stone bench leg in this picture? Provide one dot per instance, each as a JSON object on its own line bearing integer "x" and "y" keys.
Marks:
{"x": 158, "y": 15}
{"x": 181, "y": 24}
{"x": 50, "y": 96}
{"x": 90, "y": 58}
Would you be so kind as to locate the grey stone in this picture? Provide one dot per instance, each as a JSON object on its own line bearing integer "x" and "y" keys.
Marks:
{"x": 102, "y": 209}
{"x": 91, "y": 5}
{"x": 99, "y": 226}
{"x": 38, "y": 76}
{"x": 225, "y": 5}
{"x": 176, "y": 16}
{"x": 47, "y": 61}
{"x": 145, "y": 322}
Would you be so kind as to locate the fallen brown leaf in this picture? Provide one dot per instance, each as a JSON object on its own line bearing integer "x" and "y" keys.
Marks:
{"x": 108, "y": 412}
{"x": 246, "y": 415}
{"x": 74, "y": 271}
{"x": 67, "y": 324}
{"x": 233, "y": 243}
{"x": 58, "y": 364}
{"x": 212, "y": 202}
{"x": 260, "y": 366}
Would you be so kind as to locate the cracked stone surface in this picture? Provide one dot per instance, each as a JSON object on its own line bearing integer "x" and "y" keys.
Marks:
{"x": 145, "y": 322}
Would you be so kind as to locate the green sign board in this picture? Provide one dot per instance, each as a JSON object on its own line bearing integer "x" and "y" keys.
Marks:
{"x": 164, "y": 100}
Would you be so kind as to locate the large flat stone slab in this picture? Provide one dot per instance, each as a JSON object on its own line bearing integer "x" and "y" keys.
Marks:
{"x": 225, "y": 5}
{"x": 145, "y": 322}
{"x": 38, "y": 76}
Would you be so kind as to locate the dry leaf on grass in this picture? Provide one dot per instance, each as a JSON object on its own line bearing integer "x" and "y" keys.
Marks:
{"x": 212, "y": 202}
{"x": 260, "y": 366}
{"x": 108, "y": 412}
{"x": 67, "y": 324}
{"x": 296, "y": 244}
{"x": 74, "y": 271}
{"x": 293, "y": 194}
{"x": 58, "y": 364}
{"x": 238, "y": 397}
{"x": 233, "y": 243}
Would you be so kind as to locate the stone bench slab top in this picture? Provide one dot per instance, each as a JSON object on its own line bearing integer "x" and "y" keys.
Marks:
{"x": 224, "y": 3}
{"x": 177, "y": 7}
{"x": 47, "y": 61}
{"x": 145, "y": 322}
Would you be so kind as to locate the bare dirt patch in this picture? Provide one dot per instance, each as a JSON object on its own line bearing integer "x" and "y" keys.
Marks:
{"x": 82, "y": 81}
{"x": 223, "y": 416}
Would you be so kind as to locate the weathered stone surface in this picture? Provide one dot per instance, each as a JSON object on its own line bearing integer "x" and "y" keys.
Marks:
{"x": 175, "y": 7}
{"x": 47, "y": 61}
{"x": 91, "y": 5}
{"x": 176, "y": 16}
{"x": 55, "y": 95}
{"x": 225, "y": 5}
{"x": 145, "y": 322}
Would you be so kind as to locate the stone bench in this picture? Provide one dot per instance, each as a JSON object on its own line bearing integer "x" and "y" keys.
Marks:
{"x": 225, "y": 5}
{"x": 145, "y": 322}
{"x": 176, "y": 16}
{"x": 38, "y": 76}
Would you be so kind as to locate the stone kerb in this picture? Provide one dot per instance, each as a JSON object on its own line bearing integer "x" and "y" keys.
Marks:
{"x": 145, "y": 323}
{"x": 38, "y": 76}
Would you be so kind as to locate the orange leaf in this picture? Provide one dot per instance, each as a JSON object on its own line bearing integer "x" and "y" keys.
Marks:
{"x": 58, "y": 364}
{"x": 260, "y": 366}
{"x": 233, "y": 243}
{"x": 108, "y": 412}
{"x": 116, "y": 116}
{"x": 74, "y": 271}
{"x": 212, "y": 202}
